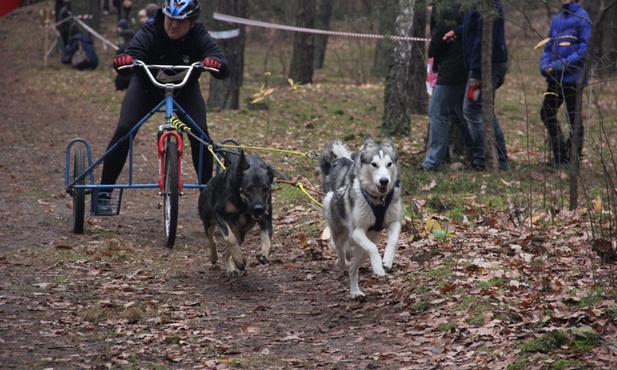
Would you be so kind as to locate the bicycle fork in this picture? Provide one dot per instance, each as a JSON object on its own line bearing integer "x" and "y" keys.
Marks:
{"x": 165, "y": 136}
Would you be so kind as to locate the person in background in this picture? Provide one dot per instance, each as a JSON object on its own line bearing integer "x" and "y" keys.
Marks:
{"x": 142, "y": 17}
{"x": 449, "y": 91}
{"x": 63, "y": 11}
{"x": 124, "y": 36}
{"x": 561, "y": 63}
{"x": 174, "y": 38}
{"x": 151, "y": 10}
{"x": 471, "y": 35}
{"x": 88, "y": 44}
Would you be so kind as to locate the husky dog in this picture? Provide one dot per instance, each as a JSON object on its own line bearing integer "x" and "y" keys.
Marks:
{"x": 363, "y": 197}
{"x": 236, "y": 200}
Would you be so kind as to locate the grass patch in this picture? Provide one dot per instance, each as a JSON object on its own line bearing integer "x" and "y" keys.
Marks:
{"x": 546, "y": 343}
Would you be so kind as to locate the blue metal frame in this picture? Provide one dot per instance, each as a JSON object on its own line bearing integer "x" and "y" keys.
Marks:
{"x": 171, "y": 107}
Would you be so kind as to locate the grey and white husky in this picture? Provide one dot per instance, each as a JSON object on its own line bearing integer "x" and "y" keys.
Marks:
{"x": 363, "y": 197}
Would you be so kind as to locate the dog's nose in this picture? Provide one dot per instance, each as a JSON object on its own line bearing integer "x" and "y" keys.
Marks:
{"x": 259, "y": 209}
{"x": 384, "y": 181}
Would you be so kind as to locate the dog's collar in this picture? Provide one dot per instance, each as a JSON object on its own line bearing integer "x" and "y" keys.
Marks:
{"x": 380, "y": 210}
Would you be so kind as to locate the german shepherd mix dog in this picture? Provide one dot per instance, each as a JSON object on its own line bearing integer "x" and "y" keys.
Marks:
{"x": 236, "y": 200}
{"x": 363, "y": 197}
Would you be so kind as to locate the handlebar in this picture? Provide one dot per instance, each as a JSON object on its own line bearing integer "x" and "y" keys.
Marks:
{"x": 189, "y": 68}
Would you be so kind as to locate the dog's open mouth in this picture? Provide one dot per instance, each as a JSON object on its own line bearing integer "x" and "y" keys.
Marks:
{"x": 382, "y": 189}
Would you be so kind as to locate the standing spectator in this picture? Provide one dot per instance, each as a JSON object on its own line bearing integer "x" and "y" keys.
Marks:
{"x": 561, "y": 64}
{"x": 105, "y": 7}
{"x": 63, "y": 12}
{"x": 449, "y": 91}
{"x": 471, "y": 34}
{"x": 174, "y": 38}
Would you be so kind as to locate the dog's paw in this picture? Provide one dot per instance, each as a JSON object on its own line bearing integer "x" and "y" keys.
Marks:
{"x": 379, "y": 271}
{"x": 357, "y": 295}
{"x": 387, "y": 265}
{"x": 262, "y": 259}
{"x": 232, "y": 273}
{"x": 341, "y": 264}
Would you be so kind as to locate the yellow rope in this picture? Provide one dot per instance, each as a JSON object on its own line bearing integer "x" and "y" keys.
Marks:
{"x": 309, "y": 155}
{"x": 301, "y": 187}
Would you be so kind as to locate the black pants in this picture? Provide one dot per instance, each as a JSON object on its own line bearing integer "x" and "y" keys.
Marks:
{"x": 553, "y": 99}
{"x": 140, "y": 98}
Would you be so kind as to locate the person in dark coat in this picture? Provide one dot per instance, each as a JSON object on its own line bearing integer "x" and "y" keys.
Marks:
{"x": 471, "y": 35}
{"x": 174, "y": 38}
{"x": 87, "y": 43}
{"x": 449, "y": 91}
{"x": 561, "y": 63}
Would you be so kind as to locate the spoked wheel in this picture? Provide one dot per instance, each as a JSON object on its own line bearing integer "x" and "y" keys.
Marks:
{"x": 79, "y": 195}
{"x": 171, "y": 193}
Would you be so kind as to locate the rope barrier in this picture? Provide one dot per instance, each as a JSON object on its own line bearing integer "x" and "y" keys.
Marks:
{"x": 248, "y": 22}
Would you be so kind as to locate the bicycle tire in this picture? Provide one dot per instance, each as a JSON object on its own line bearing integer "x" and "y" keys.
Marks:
{"x": 79, "y": 195}
{"x": 171, "y": 193}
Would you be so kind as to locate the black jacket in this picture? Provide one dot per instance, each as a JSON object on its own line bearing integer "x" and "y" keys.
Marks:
{"x": 152, "y": 46}
{"x": 448, "y": 59}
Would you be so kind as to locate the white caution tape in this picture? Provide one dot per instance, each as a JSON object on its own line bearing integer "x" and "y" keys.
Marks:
{"x": 221, "y": 35}
{"x": 248, "y": 22}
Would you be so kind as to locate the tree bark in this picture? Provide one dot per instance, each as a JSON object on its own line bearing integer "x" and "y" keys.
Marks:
{"x": 301, "y": 70}
{"x": 398, "y": 91}
{"x": 225, "y": 94}
{"x": 418, "y": 104}
{"x": 384, "y": 48}
{"x": 322, "y": 22}
{"x": 487, "y": 9}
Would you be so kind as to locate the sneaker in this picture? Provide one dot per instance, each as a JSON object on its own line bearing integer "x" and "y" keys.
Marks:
{"x": 103, "y": 205}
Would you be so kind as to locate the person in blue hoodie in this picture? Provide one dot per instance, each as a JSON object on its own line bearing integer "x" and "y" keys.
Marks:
{"x": 471, "y": 35}
{"x": 561, "y": 63}
{"x": 85, "y": 39}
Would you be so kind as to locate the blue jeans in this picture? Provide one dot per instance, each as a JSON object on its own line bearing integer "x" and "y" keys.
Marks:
{"x": 447, "y": 100}
{"x": 473, "y": 115}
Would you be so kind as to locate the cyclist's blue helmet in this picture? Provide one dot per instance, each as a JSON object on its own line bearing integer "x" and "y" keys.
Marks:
{"x": 181, "y": 9}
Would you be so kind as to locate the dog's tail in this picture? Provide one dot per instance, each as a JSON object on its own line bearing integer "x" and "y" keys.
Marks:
{"x": 329, "y": 154}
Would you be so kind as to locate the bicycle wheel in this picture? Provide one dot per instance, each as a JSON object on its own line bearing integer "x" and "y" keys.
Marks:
{"x": 79, "y": 195}
{"x": 171, "y": 193}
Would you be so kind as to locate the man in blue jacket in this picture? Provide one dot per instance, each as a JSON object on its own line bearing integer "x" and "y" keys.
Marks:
{"x": 471, "y": 35}
{"x": 561, "y": 64}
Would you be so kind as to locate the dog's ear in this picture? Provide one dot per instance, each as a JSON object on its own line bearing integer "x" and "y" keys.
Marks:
{"x": 369, "y": 142}
{"x": 243, "y": 163}
{"x": 270, "y": 174}
{"x": 387, "y": 141}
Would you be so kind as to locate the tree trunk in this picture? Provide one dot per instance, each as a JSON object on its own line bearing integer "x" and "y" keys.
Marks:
{"x": 398, "y": 90}
{"x": 301, "y": 70}
{"x": 322, "y": 22}
{"x": 384, "y": 48}
{"x": 418, "y": 104}
{"x": 486, "y": 8}
{"x": 225, "y": 94}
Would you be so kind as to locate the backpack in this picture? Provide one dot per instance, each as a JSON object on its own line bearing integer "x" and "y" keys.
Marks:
{"x": 80, "y": 59}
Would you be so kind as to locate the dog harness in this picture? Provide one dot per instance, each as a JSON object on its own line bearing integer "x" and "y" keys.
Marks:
{"x": 380, "y": 210}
